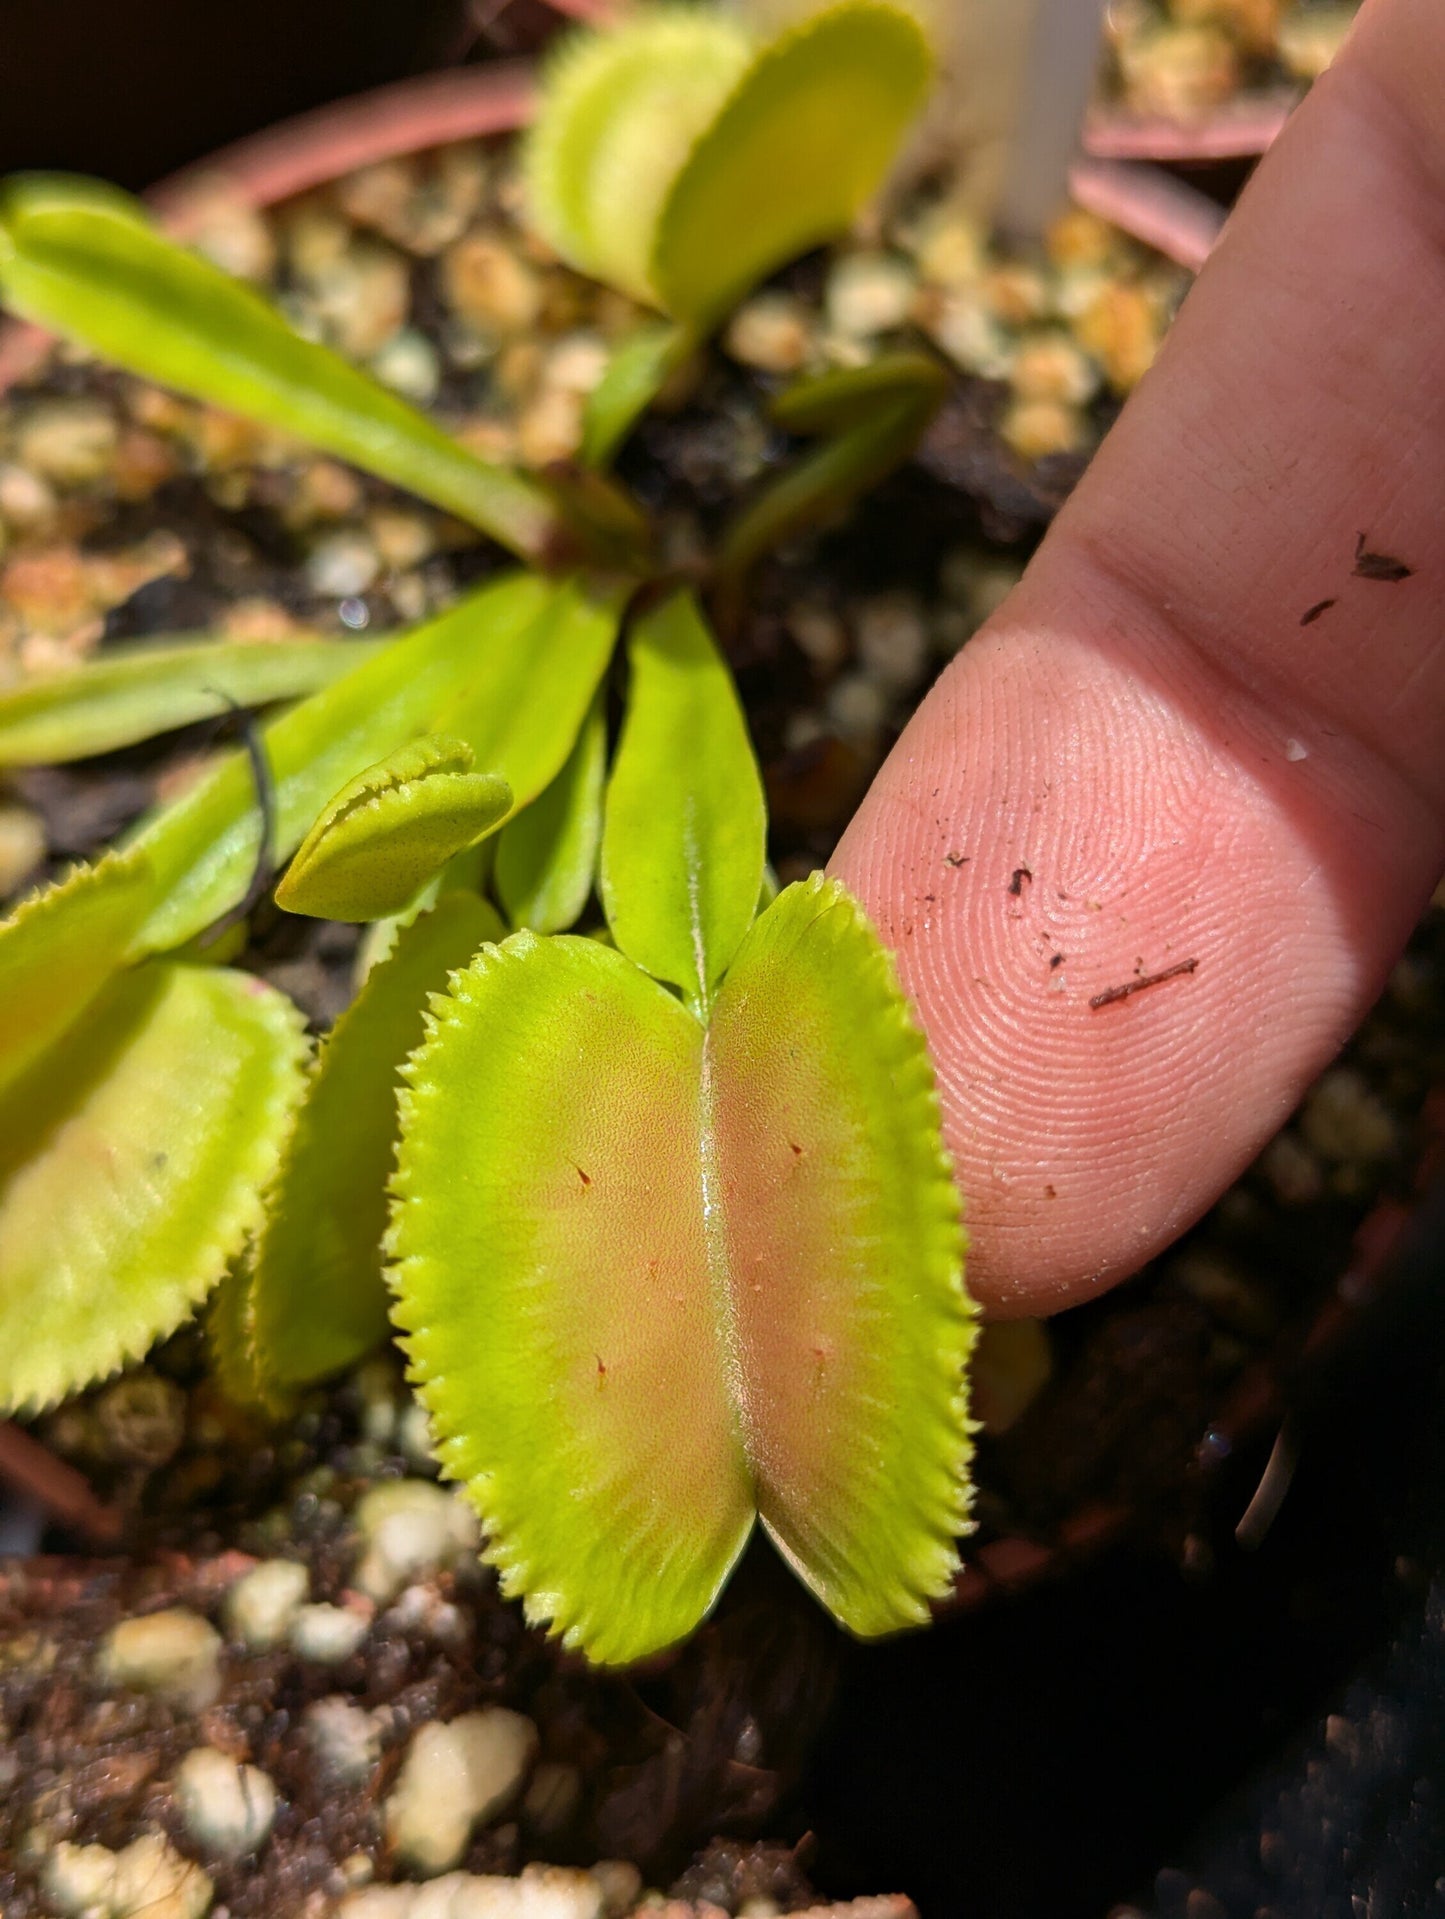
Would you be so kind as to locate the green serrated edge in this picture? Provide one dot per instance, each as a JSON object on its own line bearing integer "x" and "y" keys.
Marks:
{"x": 39, "y": 1378}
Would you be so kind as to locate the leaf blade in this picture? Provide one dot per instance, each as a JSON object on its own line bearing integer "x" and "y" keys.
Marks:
{"x": 133, "y": 693}
{"x": 131, "y": 1166}
{"x": 845, "y": 1261}
{"x": 204, "y": 845}
{"x": 823, "y": 108}
{"x": 684, "y": 828}
{"x": 391, "y": 830}
{"x": 84, "y": 259}
{"x": 317, "y": 1300}
{"x": 547, "y": 855}
{"x": 604, "y": 1464}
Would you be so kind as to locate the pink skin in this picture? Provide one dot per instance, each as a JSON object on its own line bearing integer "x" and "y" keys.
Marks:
{"x": 1188, "y": 771}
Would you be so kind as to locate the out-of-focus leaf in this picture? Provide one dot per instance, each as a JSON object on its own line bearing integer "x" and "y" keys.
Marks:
{"x": 132, "y": 1161}
{"x": 878, "y": 414}
{"x": 682, "y": 841}
{"x": 58, "y": 948}
{"x": 83, "y": 258}
{"x": 317, "y": 1300}
{"x": 655, "y": 1276}
{"x": 131, "y": 693}
{"x": 390, "y": 830}
{"x": 619, "y": 112}
{"x": 554, "y": 1289}
{"x": 547, "y": 855}
{"x": 524, "y": 704}
{"x": 637, "y": 372}
{"x": 204, "y": 845}
{"x": 845, "y": 1254}
{"x": 801, "y": 143}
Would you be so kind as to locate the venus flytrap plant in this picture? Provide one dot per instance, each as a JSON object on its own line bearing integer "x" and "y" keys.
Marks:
{"x": 673, "y": 1242}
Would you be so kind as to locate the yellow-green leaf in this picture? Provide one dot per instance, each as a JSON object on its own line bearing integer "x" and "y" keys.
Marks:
{"x": 636, "y": 373}
{"x": 682, "y": 842}
{"x": 620, "y": 111}
{"x": 316, "y": 1299}
{"x": 799, "y": 146}
{"x": 204, "y": 845}
{"x": 554, "y": 1291}
{"x": 846, "y": 1255}
{"x": 83, "y": 258}
{"x": 59, "y": 947}
{"x": 132, "y": 1161}
{"x": 131, "y": 693}
{"x": 547, "y": 855}
{"x": 391, "y": 829}
{"x": 655, "y": 1276}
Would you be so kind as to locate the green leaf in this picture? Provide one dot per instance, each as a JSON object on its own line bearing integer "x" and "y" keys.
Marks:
{"x": 132, "y": 1159}
{"x": 59, "y": 947}
{"x": 84, "y": 259}
{"x": 682, "y": 843}
{"x": 391, "y": 829}
{"x": 204, "y": 845}
{"x": 800, "y": 145}
{"x": 878, "y": 414}
{"x": 547, "y": 855}
{"x": 316, "y": 1299}
{"x": 524, "y": 704}
{"x": 131, "y": 693}
{"x": 844, "y": 1242}
{"x": 619, "y": 112}
{"x": 654, "y": 1276}
{"x": 637, "y": 372}
{"x": 553, "y": 1287}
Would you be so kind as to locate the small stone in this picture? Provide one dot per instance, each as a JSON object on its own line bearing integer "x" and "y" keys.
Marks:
{"x": 260, "y": 1607}
{"x": 1253, "y": 24}
{"x": 1037, "y": 428}
{"x": 857, "y": 708}
{"x": 403, "y": 540}
{"x": 456, "y": 1776}
{"x": 409, "y": 365}
{"x": 1310, "y": 37}
{"x": 27, "y": 502}
{"x": 174, "y": 1654}
{"x": 553, "y": 1797}
{"x": 893, "y": 641}
{"x": 868, "y": 294}
{"x": 1048, "y": 365}
{"x": 413, "y": 1436}
{"x": 344, "y": 1738}
{"x": 1178, "y": 72}
{"x": 550, "y": 428}
{"x": 342, "y": 564}
{"x": 380, "y": 196}
{"x": 409, "y": 1526}
{"x": 69, "y": 442}
{"x": 327, "y": 1634}
{"x": 1015, "y": 293}
{"x": 820, "y": 636}
{"x": 772, "y": 332}
{"x": 621, "y": 1886}
{"x": 969, "y": 332}
{"x": 362, "y": 299}
{"x": 228, "y": 1808}
{"x": 491, "y": 286}
{"x": 1345, "y": 1121}
{"x": 1080, "y": 239}
{"x": 22, "y": 846}
{"x": 79, "y": 1879}
{"x": 143, "y": 463}
{"x": 1122, "y": 329}
{"x": 142, "y": 1419}
{"x": 949, "y": 247}
{"x": 152, "y": 1878}
{"x": 540, "y": 1892}
{"x": 322, "y": 490}
{"x": 231, "y": 234}
{"x": 576, "y": 363}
